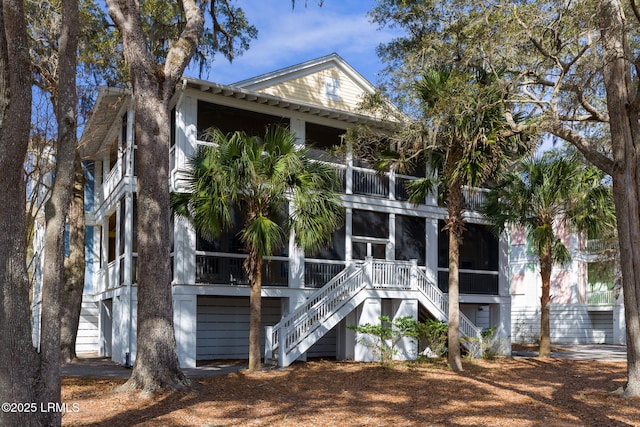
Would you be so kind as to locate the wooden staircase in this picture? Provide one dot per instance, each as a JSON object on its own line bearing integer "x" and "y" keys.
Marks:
{"x": 299, "y": 330}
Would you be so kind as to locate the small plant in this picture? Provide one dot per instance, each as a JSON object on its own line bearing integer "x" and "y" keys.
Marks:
{"x": 489, "y": 346}
{"x": 386, "y": 335}
{"x": 432, "y": 335}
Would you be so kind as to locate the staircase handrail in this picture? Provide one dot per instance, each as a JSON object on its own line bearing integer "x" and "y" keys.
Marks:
{"x": 302, "y": 312}
{"x": 321, "y": 305}
{"x": 441, "y": 302}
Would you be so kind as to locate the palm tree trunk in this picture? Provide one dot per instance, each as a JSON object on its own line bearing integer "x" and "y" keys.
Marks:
{"x": 545, "y": 300}
{"x": 253, "y": 266}
{"x": 455, "y": 226}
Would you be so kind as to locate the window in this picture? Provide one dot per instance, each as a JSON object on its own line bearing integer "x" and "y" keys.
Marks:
{"x": 335, "y": 250}
{"x": 332, "y": 88}
{"x": 111, "y": 236}
{"x": 323, "y": 142}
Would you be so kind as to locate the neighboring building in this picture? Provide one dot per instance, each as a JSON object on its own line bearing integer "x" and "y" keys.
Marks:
{"x": 317, "y": 100}
{"x": 586, "y": 306}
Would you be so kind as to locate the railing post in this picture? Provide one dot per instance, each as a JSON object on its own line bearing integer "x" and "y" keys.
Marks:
{"x": 413, "y": 277}
{"x": 282, "y": 348}
{"x": 268, "y": 344}
{"x": 368, "y": 271}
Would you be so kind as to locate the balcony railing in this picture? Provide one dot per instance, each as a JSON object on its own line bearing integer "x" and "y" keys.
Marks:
{"x": 601, "y": 246}
{"x": 370, "y": 183}
{"x": 318, "y": 272}
{"x": 228, "y": 269}
{"x": 601, "y": 298}
{"x": 471, "y": 281}
{"x": 474, "y": 198}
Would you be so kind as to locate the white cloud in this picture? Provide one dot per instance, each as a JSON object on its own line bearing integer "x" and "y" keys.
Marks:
{"x": 287, "y": 37}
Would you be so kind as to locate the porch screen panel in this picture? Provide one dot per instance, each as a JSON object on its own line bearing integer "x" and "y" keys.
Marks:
{"x": 370, "y": 224}
{"x": 410, "y": 238}
{"x": 229, "y": 119}
{"x": 478, "y": 254}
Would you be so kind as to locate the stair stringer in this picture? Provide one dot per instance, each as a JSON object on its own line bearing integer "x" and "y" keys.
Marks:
{"x": 325, "y": 326}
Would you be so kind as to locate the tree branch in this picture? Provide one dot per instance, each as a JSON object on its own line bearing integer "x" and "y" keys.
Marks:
{"x": 602, "y": 162}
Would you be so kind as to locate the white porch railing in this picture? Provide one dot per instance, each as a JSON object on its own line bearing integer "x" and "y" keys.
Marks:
{"x": 299, "y": 330}
{"x": 110, "y": 183}
{"x": 600, "y": 298}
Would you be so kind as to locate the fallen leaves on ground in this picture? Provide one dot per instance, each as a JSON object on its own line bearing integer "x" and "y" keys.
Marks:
{"x": 504, "y": 392}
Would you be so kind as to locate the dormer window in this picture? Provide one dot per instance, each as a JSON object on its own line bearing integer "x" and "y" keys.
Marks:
{"x": 332, "y": 88}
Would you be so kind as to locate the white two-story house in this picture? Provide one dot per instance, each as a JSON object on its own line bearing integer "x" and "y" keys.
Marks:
{"x": 388, "y": 258}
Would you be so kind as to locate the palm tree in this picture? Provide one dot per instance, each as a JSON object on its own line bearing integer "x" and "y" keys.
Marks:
{"x": 544, "y": 193}
{"x": 260, "y": 177}
{"x": 469, "y": 140}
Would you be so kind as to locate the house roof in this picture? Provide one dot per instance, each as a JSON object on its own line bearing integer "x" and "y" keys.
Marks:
{"x": 108, "y": 104}
{"x": 272, "y": 89}
{"x": 284, "y": 103}
{"x": 332, "y": 60}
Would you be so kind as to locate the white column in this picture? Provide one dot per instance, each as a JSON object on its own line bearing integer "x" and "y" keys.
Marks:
{"x": 296, "y": 259}
{"x": 185, "y": 323}
{"x": 184, "y": 252}
{"x": 619, "y": 323}
{"x": 503, "y": 265}
{"x": 407, "y": 347}
{"x": 390, "y": 251}
{"x": 186, "y": 129}
{"x": 298, "y": 128}
{"x": 348, "y": 232}
{"x": 369, "y": 312}
{"x": 500, "y": 316}
{"x": 431, "y": 240}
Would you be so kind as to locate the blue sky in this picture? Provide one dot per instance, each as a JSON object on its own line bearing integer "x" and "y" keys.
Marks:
{"x": 289, "y": 36}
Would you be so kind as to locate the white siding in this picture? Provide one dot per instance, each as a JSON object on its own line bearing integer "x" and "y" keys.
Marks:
{"x": 570, "y": 324}
{"x": 223, "y": 326}
{"x": 87, "y": 339}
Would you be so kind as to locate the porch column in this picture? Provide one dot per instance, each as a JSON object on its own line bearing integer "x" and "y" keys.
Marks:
{"x": 348, "y": 233}
{"x": 500, "y": 316}
{"x": 619, "y": 323}
{"x": 369, "y": 312}
{"x": 431, "y": 243}
{"x": 407, "y": 347}
{"x": 185, "y": 325}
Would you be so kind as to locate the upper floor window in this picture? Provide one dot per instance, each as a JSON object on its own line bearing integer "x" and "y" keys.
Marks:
{"x": 332, "y": 88}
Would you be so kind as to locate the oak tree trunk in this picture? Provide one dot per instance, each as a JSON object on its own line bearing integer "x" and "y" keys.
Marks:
{"x": 57, "y": 208}
{"x": 254, "y": 271}
{"x": 623, "y": 107}
{"x": 74, "y": 266}
{"x": 19, "y": 362}
{"x": 545, "y": 300}
{"x": 156, "y": 366}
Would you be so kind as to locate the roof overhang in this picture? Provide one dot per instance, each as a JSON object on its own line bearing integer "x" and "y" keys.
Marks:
{"x": 286, "y": 104}
{"x": 103, "y": 115}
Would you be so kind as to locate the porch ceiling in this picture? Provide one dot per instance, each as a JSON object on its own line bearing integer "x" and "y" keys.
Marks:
{"x": 103, "y": 115}
{"x": 275, "y": 101}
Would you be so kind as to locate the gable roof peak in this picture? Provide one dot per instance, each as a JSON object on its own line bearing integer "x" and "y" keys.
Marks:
{"x": 303, "y": 68}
